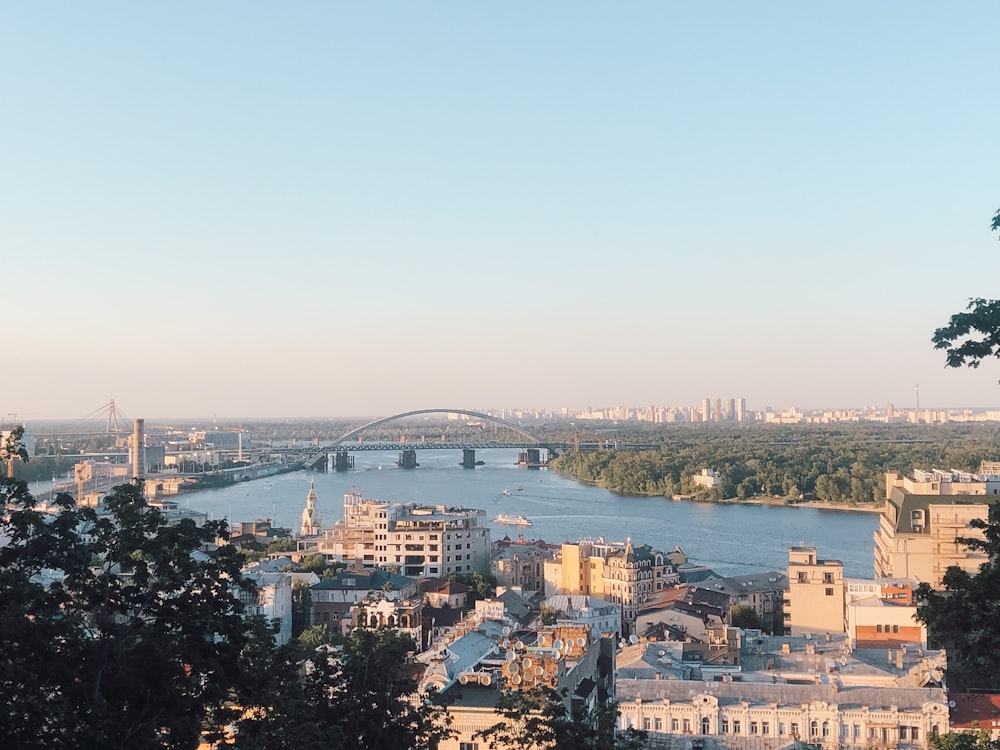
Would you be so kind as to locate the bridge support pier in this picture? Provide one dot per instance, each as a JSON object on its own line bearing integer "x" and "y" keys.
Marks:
{"x": 343, "y": 461}
{"x": 531, "y": 459}
{"x": 408, "y": 459}
{"x": 468, "y": 458}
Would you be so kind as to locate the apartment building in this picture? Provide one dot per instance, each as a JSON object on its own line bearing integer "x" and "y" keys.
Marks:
{"x": 417, "y": 540}
{"x": 924, "y": 517}
{"x": 814, "y": 601}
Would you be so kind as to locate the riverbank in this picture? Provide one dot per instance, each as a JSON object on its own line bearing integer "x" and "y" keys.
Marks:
{"x": 785, "y": 503}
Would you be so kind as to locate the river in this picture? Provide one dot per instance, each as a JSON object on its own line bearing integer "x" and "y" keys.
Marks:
{"x": 732, "y": 539}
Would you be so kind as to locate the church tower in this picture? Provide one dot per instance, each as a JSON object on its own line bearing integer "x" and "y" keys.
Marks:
{"x": 311, "y": 520}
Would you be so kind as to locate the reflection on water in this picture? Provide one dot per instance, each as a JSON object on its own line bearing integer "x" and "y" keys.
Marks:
{"x": 732, "y": 539}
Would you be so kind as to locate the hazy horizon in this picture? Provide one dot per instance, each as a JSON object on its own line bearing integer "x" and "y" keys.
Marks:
{"x": 240, "y": 208}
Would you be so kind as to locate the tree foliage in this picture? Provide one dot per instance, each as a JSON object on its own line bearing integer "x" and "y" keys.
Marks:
{"x": 964, "y": 619}
{"x": 115, "y": 633}
{"x": 833, "y": 463}
{"x": 979, "y": 740}
{"x": 361, "y": 697}
{"x": 745, "y": 616}
{"x": 973, "y": 335}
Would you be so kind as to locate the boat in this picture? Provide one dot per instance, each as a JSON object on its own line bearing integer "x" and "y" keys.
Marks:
{"x": 505, "y": 520}
{"x": 505, "y": 492}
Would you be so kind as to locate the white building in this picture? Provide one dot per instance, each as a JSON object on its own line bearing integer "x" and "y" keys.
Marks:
{"x": 417, "y": 540}
{"x": 272, "y": 600}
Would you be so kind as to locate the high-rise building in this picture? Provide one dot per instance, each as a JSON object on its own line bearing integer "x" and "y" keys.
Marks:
{"x": 741, "y": 410}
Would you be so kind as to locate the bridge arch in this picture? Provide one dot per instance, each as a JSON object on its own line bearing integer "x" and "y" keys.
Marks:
{"x": 344, "y": 441}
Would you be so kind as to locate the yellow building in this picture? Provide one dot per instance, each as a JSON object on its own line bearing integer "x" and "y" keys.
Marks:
{"x": 814, "y": 602}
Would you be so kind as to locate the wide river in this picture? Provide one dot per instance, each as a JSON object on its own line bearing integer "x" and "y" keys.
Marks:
{"x": 731, "y": 539}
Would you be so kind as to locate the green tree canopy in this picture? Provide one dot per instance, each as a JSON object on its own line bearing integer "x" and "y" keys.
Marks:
{"x": 973, "y": 335}
{"x": 115, "y": 632}
{"x": 964, "y": 619}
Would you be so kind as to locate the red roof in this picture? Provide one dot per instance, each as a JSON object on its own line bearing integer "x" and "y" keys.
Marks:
{"x": 980, "y": 709}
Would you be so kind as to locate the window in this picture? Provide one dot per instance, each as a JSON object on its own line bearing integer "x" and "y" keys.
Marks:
{"x": 468, "y": 746}
{"x": 915, "y": 733}
{"x": 878, "y": 628}
{"x": 795, "y": 729}
{"x": 895, "y": 628}
{"x": 902, "y": 732}
{"x": 687, "y": 726}
{"x": 857, "y": 731}
{"x": 673, "y": 725}
{"x": 828, "y": 578}
{"x": 781, "y": 729}
{"x": 826, "y": 729}
{"x": 803, "y": 577}
{"x": 646, "y": 724}
{"x": 736, "y": 726}
{"x": 813, "y": 728}
{"x": 658, "y": 724}
{"x": 706, "y": 725}
{"x": 829, "y": 591}
{"x": 753, "y": 727}
{"x": 765, "y": 728}
{"x": 724, "y": 726}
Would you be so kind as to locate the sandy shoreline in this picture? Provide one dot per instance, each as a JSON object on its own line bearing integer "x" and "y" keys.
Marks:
{"x": 781, "y": 502}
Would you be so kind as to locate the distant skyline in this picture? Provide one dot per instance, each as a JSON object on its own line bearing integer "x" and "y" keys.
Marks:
{"x": 329, "y": 209}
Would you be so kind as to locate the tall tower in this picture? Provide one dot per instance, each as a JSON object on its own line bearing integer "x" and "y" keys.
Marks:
{"x": 311, "y": 519}
{"x": 137, "y": 450}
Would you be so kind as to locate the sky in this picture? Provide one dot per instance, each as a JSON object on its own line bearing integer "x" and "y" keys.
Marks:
{"x": 320, "y": 209}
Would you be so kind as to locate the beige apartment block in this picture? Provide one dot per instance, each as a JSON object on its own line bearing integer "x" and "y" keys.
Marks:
{"x": 814, "y": 602}
{"x": 939, "y": 482}
{"x": 918, "y": 535}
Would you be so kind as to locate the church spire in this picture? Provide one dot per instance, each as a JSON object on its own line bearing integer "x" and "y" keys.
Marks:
{"x": 311, "y": 519}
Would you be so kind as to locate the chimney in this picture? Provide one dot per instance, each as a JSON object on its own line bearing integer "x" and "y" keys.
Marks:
{"x": 138, "y": 452}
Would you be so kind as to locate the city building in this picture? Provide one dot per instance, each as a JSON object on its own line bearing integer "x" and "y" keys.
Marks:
{"x": 521, "y": 562}
{"x": 379, "y": 610}
{"x": 271, "y": 600}
{"x": 923, "y": 518}
{"x": 473, "y": 669}
{"x": 814, "y": 601}
{"x": 596, "y": 614}
{"x": 626, "y": 576}
{"x": 417, "y": 540}
{"x": 783, "y": 692}
{"x": 708, "y": 478}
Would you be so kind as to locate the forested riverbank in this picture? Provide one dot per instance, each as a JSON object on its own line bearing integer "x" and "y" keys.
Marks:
{"x": 842, "y": 464}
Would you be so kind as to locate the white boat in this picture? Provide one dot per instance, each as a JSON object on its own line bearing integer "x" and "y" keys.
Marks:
{"x": 505, "y": 520}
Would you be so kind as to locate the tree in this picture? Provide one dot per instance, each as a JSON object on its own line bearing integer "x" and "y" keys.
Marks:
{"x": 12, "y": 449}
{"x": 538, "y": 719}
{"x": 115, "y": 634}
{"x": 964, "y": 741}
{"x": 973, "y": 335}
{"x": 314, "y": 563}
{"x": 363, "y": 697}
{"x": 282, "y": 544}
{"x": 301, "y": 607}
{"x": 744, "y": 616}
{"x": 549, "y": 615}
{"x": 964, "y": 619}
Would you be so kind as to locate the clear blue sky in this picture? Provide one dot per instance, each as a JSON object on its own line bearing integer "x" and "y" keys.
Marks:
{"x": 313, "y": 209}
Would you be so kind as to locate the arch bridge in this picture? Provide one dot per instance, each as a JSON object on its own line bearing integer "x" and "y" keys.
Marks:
{"x": 530, "y": 444}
